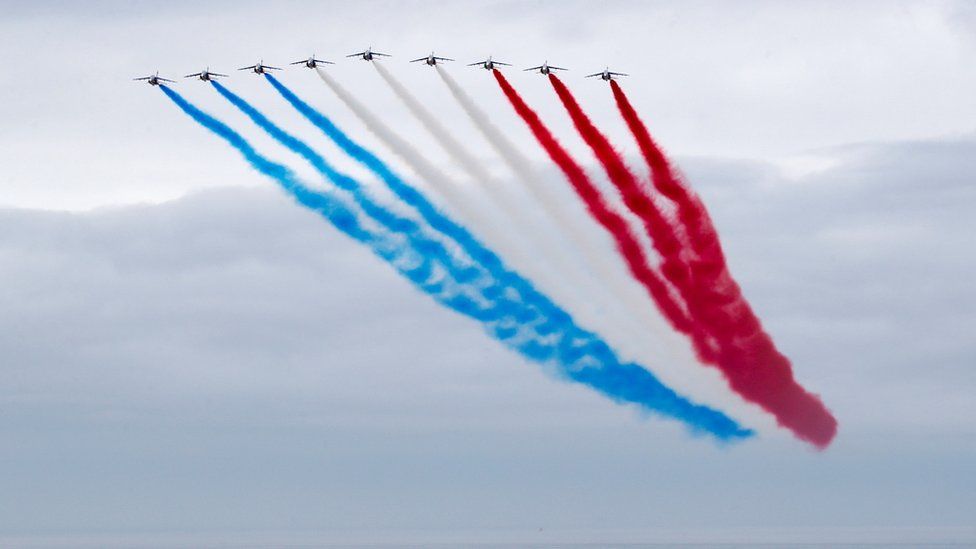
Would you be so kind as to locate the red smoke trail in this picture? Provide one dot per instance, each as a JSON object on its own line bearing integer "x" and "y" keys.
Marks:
{"x": 750, "y": 360}
{"x": 663, "y": 235}
{"x": 708, "y": 259}
{"x": 616, "y": 225}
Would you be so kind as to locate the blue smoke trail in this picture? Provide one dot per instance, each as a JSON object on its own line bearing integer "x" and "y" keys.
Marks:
{"x": 581, "y": 356}
{"x": 346, "y": 221}
{"x": 559, "y": 319}
{"x": 427, "y": 247}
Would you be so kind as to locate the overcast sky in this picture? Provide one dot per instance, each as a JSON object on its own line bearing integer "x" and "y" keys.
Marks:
{"x": 186, "y": 353}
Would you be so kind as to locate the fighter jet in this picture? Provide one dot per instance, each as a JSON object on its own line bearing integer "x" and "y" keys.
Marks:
{"x": 607, "y": 74}
{"x": 205, "y": 75}
{"x": 259, "y": 68}
{"x": 546, "y": 68}
{"x": 488, "y": 64}
{"x": 155, "y": 79}
{"x": 311, "y": 62}
{"x": 431, "y": 59}
{"x": 368, "y": 54}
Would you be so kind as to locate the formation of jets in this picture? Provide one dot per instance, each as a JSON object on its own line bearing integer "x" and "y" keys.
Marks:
{"x": 368, "y": 54}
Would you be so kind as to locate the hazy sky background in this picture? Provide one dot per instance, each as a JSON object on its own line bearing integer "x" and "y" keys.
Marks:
{"x": 185, "y": 352}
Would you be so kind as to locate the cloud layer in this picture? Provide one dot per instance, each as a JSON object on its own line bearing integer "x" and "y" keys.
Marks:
{"x": 197, "y": 352}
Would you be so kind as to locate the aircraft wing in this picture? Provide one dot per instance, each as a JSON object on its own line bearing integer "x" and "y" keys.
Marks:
{"x": 246, "y": 68}
{"x": 299, "y": 62}
{"x": 356, "y": 54}
{"x": 217, "y": 74}
{"x": 535, "y": 68}
{"x": 558, "y": 68}
{"x": 443, "y": 59}
{"x": 165, "y": 79}
{"x": 594, "y": 74}
{"x": 383, "y": 54}
{"x": 320, "y": 61}
{"x": 270, "y": 67}
{"x": 476, "y": 64}
{"x": 420, "y": 59}
{"x": 619, "y": 74}
{"x": 500, "y": 63}
{"x": 194, "y": 75}
{"x": 144, "y": 78}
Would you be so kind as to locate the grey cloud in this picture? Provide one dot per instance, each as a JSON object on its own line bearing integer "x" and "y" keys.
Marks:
{"x": 226, "y": 361}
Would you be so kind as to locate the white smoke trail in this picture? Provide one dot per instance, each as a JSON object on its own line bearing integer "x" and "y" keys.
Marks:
{"x": 525, "y": 256}
{"x": 476, "y": 212}
{"x": 543, "y": 195}
{"x": 594, "y": 254}
{"x": 443, "y": 137}
{"x": 447, "y": 189}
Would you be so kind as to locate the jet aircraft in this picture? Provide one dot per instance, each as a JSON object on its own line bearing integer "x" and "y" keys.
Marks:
{"x": 546, "y": 68}
{"x": 488, "y": 64}
{"x": 431, "y": 59}
{"x": 368, "y": 54}
{"x": 155, "y": 79}
{"x": 259, "y": 68}
{"x": 311, "y": 62}
{"x": 607, "y": 74}
{"x": 205, "y": 75}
